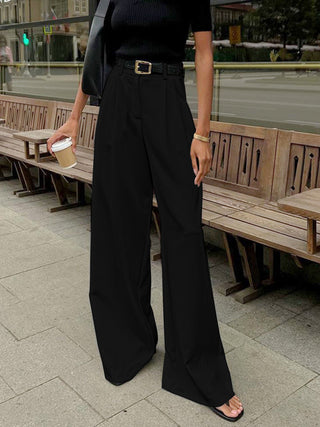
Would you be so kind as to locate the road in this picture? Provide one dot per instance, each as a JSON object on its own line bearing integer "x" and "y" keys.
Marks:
{"x": 287, "y": 100}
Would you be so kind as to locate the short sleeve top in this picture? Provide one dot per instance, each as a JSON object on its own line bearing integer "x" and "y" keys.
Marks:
{"x": 155, "y": 30}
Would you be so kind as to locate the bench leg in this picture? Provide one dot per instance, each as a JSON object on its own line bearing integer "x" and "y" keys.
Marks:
{"x": 274, "y": 267}
{"x": 17, "y": 168}
{"x": 155, "y": 255}
{"x": 235, "y": 263}
{"x": 312, "y": 236}
{"x": 13, "y": 173}
{"x": 62, "y": 194}
{"x": 252, "y": 270}
{"x": 26, "y": 180}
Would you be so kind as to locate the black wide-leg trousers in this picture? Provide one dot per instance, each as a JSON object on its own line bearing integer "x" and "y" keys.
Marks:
{"x": 142, "y": 143}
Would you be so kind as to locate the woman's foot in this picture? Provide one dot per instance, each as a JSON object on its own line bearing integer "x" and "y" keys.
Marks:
{"x": 233, "y": 408}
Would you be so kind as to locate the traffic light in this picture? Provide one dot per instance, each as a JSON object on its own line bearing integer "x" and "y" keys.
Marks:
{"x": 25, "y": 38}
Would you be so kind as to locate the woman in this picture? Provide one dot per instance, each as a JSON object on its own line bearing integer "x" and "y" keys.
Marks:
{"x": 5, "y": 58}
{"x": 145, "y": 141}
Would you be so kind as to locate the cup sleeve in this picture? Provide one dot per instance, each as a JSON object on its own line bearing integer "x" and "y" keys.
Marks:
{"x": 200, "y": 16}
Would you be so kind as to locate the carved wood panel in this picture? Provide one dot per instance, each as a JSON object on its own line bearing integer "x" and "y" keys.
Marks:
{"x": 303, "y": 171}
{"x": 23, "y": 116}
{"x": 236, "y": 158}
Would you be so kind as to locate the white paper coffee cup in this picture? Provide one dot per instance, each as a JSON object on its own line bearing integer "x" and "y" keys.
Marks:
{"x": 63, "y": 152}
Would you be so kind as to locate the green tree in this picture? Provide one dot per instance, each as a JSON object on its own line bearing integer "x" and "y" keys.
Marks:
{"x": 290, "y": 20}
{"x": 317, "y": 17}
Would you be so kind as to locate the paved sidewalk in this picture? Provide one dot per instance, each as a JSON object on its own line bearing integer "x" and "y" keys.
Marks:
{"x": 50, "y": 371}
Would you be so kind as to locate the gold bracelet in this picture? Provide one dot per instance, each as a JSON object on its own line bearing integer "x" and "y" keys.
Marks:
{"x": 201, "y": 138}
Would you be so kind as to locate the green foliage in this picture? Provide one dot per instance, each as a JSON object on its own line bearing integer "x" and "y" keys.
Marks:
{"x": 293, "y": 21}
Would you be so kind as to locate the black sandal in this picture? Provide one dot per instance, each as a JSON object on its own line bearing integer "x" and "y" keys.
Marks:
{"x": 224, "y": 416}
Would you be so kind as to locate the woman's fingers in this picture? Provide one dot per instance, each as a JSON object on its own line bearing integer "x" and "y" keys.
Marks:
{"x": 204, "y": 165}
{"x": 54, "y": 138}
{"x": 194, "y": 162}
{"x": 74, "y": 143}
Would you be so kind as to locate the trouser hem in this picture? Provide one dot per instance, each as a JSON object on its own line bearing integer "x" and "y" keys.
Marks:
{"x": 130, "y": 377}
{"x": 200, "y": 401}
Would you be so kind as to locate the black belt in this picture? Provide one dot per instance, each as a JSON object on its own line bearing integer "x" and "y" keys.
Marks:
{"x": 141, "y": 66}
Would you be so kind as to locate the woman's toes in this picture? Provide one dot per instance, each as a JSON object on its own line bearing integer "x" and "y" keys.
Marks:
{"x": 234, "y": 407}
{"x": 235, "y": 404}
{"x": 228, "y": 410}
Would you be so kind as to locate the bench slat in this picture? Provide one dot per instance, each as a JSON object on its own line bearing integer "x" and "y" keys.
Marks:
{"x": 280, "y": 216}
{"x": 264, "y": 236}
{"x": 242, "y": 197}
{"x": 271, "y": 224}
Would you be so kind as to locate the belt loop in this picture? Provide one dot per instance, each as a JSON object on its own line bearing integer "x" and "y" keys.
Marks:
{"x": 165, "y": 70}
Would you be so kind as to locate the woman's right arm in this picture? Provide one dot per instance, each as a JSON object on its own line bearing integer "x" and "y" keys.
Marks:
{"x": 71, "y": 126}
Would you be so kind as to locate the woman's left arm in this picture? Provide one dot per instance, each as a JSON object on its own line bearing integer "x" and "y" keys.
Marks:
{"x": 204, "y": 72}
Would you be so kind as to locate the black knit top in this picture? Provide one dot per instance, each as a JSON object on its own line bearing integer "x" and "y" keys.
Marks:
{"x": 155, "y": 30}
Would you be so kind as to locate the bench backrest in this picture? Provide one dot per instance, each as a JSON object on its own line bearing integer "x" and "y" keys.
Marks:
{"x": 297, "y": 163}
{"x": 88, "y": 122}
{"x": 243, "y": 158}
{"x": 22, "y": 113}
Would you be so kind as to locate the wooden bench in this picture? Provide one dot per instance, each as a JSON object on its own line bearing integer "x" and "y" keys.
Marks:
{"x": 81, "y": 174}
{"x": 21, "y": 114}
{"x": 296, "y": 169}
{"x": 252, "y": 168}
{"x": 28, "y": 116}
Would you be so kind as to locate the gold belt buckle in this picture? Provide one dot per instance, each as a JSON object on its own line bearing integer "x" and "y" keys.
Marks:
{"x": 136, "y": 66}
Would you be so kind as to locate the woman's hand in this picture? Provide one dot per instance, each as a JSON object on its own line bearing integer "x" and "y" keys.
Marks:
{"x": 202, "y": 151}
{"x": 68, "y": 129}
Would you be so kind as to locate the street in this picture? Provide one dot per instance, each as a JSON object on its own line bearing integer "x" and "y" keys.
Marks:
{"x": 288, "y": 100}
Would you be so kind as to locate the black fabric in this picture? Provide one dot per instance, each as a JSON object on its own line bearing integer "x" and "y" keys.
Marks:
{"x": 96, "y": 67}
{"x": 156, "y": 29}
{"x": 142, "y": 143}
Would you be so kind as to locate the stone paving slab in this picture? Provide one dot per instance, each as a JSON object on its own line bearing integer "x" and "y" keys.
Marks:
{"x": 37, "y": 256}
{"x": 298, "y": 339}
{"x": 7, "y": 227}
{"x": 52, "y": 404}
{"x": 39, "y": 358}
{"x": 82, "y": 239}
{"x": 301, "y": 299}
{"x": 315, "y": 384}
{"x": 263, "y": 378}
{"x": 231, "y": 336}
{"x": 89, "y": 382}
{"x": 49, "y": 278}
{"x": 17, "y": 219}
{"x": 142, "y": 414}
{"x": 250, "y": 365}
{"x": 6, "y": 338}
{"x": 185, "y": 412}
{"x": 261, "y": 320}
{"x": 299, "y": 409}
{"x": 61, "y": 228}
{"x": 37, "y": 314}
{"x": 26, "y": 239}
{"x": 6, "y": 297}
{"x": 312, "y": 314}
{"x": 228, "y": 309}
{"x": 81, "y": 330}
{"x": 6, "y": 392}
